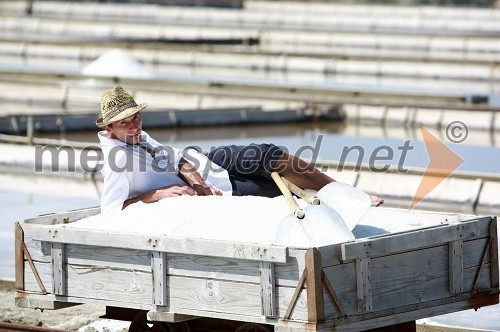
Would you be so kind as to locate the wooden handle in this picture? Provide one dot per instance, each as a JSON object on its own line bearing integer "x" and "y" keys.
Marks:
{"x": 301, "y": 193}
{"x": 299, "y": 213}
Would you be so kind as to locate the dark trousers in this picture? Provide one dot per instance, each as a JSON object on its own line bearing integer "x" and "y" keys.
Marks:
{"x": 249, "y": 167}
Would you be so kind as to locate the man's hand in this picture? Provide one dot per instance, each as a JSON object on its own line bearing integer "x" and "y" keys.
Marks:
{"x": 376, "y": 201}
{"x": 215, "y": 191}
{"x": 160, "y": 193}
{"x": 173, "y": 191}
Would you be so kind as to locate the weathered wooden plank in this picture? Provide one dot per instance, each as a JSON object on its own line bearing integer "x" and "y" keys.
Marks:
{"x": 484, "y": 259}
{"x": 214, "y": 267}
{"x": 343, "y": 279}
{"x": 456, "y": 266}
{"x": 52, "y": 302}
{"x": 415, "y": 239}
{"x": 89, "y": 255}
{"x": 296, "y": 293}
{"x": 289, "y": 274}
{"x": 35, "y": 301}
{"x": 214, "y": 295}
{"x": 99, "y": 283}
{"x": 59, "y": 280}
{"x": 364, "y": 287}
{"x": 63, "y": 217}
{"x": 171, "y": 317}
{"x": 203, "y": 247}
{"x": 19, "y": 254}
{"x": 422, "y": 275}
{"x": 159, "y": 274}
{"x": 494, "y": 271}
{"x": 333, "y": 295}
{"x": 409, "y": 313}
{"x": 187, "y": 293}
{"x": 268, "y": 289}
{"x": 314, "y": 281}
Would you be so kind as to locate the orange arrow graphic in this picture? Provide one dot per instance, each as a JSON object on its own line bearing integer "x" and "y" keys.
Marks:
{"x": 442, "y": 162}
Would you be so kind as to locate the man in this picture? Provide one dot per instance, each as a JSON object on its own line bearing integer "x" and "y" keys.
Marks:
{"x": 137, "y": 168}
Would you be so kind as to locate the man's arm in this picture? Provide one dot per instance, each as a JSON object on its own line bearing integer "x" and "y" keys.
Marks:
{"x": 160, "y": 193}
{"x": 191, "y": 176}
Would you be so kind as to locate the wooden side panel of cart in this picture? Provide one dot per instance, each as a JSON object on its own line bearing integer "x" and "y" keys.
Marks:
{"x": 364, "y": 284}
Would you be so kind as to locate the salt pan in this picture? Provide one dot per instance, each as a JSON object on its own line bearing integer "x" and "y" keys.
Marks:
{"x": 116, "y": 63}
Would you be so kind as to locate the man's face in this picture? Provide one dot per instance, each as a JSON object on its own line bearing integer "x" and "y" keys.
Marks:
{"x": 127, "y": 130}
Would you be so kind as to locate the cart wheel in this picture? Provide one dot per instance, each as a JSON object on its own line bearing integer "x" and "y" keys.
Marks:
{"x": 178, "y": 327}
{"x": 254, "y": 327}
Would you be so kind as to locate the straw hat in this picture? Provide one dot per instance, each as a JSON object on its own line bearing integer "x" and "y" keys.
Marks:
{"x": 117, "y": 104}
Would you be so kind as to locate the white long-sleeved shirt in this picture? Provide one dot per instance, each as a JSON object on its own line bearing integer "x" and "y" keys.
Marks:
{"x": 129, "y": 170}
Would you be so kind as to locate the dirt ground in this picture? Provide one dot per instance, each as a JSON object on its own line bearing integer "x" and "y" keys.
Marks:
{"x": 80, "y": 318}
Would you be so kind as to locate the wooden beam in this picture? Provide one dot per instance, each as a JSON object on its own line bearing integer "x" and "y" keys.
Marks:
{"x": 63, "y": 217}
{"x": 171, "y": 317}
{"x": 59, "y": 275}
{"x": 295, "y": 296}
{"x": 333, "y": 296}
{"x": 19, "y": 253}
{"x": 159, "y": 274}
{"x": 314, "y": 282}
{"x": 494, "y": 253}
{"x": 481, "y": 265}
{"x": 415, "y": 239}
{"x": 363, "y": 282}
{"x": 191, "y": 246}
{"x": 268, "y": 289}
{"x": 456, "y": 266}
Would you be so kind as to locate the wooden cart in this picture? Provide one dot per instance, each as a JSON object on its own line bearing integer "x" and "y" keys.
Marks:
{"x": 369, "y": 283}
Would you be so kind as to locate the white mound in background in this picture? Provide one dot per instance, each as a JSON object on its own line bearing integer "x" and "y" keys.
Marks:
{"x": 116, "y": 63}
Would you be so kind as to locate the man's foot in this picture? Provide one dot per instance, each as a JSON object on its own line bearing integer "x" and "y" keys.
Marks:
{"x": 376, "y": 201}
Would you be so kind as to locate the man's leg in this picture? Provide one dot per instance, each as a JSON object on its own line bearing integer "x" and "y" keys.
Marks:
{"x": 301, "y": 173}
{"x": 248, "y": 168}
{"x": 306, "y": 176}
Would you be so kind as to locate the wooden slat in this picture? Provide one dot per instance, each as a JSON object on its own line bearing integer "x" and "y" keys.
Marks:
{"x": 494, "y": 253}
{"x": 268, "y": 289}
{"x": 415, "y": 239}
{"x": 410, "y": 312}
{"x": 63, "y": 217}
{"x": 59, "y": 276}
{"x": 333, "y": 296}
{"x": 295, "y": 296}
{"x": 456, "y": 269}
{"x": 364, "y": 290}
{"x": 19, "y": 274}
{"x": 423, "y": 275}
{"x": 482, "y": 265}
{"x": 88, "y": 283}
{"x": 314, "y": 282}
{"x": 203, "y": 247}
{"x": 171, "y": 317}
{"x": 159, "y": 274}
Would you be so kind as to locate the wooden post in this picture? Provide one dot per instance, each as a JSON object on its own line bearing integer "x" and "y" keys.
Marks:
{"x": 19, "y": 239}
{"x": 58, "y": 269}
{"x": 159, "y": 273}
{"x": 456, "y": 266}
{"x": 494, "y": 253}
{"x": 268, "y": 289}
{"x": 314, "y": 284}
{"x": 30, "y": 129}
{"x": 364, "y": 288}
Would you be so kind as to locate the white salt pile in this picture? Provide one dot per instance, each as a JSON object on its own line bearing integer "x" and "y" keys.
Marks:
{"x": 247, "y": 219}
{"x": 116, "y": 63}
